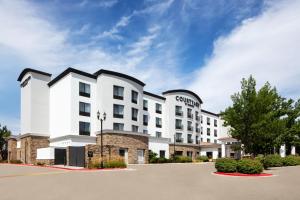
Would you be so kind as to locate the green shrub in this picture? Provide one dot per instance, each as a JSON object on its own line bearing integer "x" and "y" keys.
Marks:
{"x": 16, "y": 161}
{"x": 182, "y": 159}
{"x": 226, "y": 165}
{"x": 202, "y": 159}
{"x": 163, "y": 160}
{"x": 272, "y": 161}
{"x": 290, "y": 161}
{"x": 114, "y": 164}
{"x": 3, "y": 161}
{"x": 249, "y": 166}
{"x": 40, "y": 164}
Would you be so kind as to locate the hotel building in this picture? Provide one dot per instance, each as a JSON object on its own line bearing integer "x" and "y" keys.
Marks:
{"x": 60, "y": 125}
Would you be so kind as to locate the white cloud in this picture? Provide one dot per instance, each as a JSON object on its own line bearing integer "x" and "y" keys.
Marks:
{"x": 113, "y": 33}
{"x": 266, "y": 46}
{"x": 102, "y": 3}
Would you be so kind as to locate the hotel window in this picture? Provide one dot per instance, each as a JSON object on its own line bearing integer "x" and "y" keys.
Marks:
{"x": 201, "y": 139}
{"x": 201, "y": 119}
{"x": 178, "y": 137}
{"x": 215, "y": 141}
{"x": 162, "y": 154}
{"x": 208, "y": 140}
{"x": 145, "y": 131}
{"x": 118, "y": 127}
{"x": 134, "y": 96}
{"x": 145, "y": 120}
{"x": 197, "y": 128}
{"x": 197, "y": 115}
{"x": 118, "y": 92}
{"x": 84, "y": 89}
{"x": 134, "y": 114}
{"x": 84, "y": 109}
{"x": 178, "y": 111}
{"x": 190, "y": 127}
{"x": 215, "y": 133}
{"x": 197, "y": 139}
{"x": 178, "y": 124}
{"x": 118, "y": 111}
{"x": 158, "y": 134}
{"x": 208, "y": 120}
{"x": 135, "y": 128}
{"x": 158, "y": 108}
{"x": 189, "y": 138}
{"x": 158, "y": 122}
{"x": 215, "y": 123}
{"x": 84, "y": 128}
{"x": 208, "y": 131}
{"x": 145, "y": 105}
{"x": 189, "y": 113}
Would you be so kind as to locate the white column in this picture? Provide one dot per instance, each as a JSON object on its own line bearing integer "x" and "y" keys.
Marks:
{"x": 293, "y": 150}
{"x": 282, "y": 150}
{"x": 223, "y": 153}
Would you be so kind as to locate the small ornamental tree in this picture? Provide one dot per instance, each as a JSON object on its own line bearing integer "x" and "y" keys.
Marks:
{"x": 4, "y": 133}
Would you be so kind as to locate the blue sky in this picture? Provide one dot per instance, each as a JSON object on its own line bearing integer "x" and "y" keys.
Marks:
{"x": 203, "y": 45}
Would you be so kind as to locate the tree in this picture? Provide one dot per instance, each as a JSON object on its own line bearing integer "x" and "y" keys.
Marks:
{"x": 291, "y": 135}
{"x": 4, "y": 133}
{"x": 255, "y": 118}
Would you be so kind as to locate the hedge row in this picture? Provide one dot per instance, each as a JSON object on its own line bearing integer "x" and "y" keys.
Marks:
{"x": 245, "y": 166}
{"x": 108, "y": 164}
{"x": 255, "y": 166}
{"x": 277, "y": 161}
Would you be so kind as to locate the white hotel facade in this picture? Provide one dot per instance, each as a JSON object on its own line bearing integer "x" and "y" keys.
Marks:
{"x": 59, "y": 123}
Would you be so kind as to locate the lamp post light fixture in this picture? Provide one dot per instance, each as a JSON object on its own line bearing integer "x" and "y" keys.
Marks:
{"x": 101, "y": 134}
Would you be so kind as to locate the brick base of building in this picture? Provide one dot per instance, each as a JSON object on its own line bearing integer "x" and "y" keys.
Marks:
{"x": 28, "y": 150}
{"x": 113, "y": 142}
{"x": 184, "y": 149}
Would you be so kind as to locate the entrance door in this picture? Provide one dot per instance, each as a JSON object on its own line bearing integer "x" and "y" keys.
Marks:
{"x": 60, "y": 157}
{"x": 124, "y": 153}
{"x": 141, "y": 157}
{"x": 77, "y": 156}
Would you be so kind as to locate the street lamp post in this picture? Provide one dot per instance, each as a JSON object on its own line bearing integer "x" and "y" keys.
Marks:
{"x": 101, "y": 134}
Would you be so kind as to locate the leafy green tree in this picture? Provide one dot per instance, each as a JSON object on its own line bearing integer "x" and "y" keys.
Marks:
{"x": 4, "y": 133}
{"x": 256, "y": 117}
{"x": 291, "y": 135}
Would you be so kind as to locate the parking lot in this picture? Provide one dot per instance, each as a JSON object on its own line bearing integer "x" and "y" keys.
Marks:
{"x": 165, "y": 181}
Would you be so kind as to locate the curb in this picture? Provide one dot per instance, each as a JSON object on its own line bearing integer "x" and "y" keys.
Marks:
{"x": 243, "y": 175}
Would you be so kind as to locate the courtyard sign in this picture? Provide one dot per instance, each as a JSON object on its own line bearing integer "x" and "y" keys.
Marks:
{"x": 187, "y": 101}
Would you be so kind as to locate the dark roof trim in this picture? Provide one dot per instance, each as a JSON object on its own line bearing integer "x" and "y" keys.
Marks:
{"x": 205, "y": 111}
{"x": 27, "y": 70}
{"x": 103, "y": 71}
{"x": 154, "y": 95}
{"x": 185, "y": 91}
{"x": 70, "y": 70}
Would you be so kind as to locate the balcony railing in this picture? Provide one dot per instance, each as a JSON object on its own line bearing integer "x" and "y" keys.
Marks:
{"x": 190, "y": 128}
{"x": 190, "y": 141}
{"x": 179, "y": 113}
{"x": 179, "y": 126}
{"x": 179, "y": 140}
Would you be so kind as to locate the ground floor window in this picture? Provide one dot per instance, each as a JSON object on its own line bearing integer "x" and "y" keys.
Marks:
{"x": 189, "y": 153}
{"x": 209, "y": 154}
{"x": 178, "y": 153}
{"x": 118, "y": 126}
{"x": 162, "y": 154}
{"x": 122, "y": 152}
